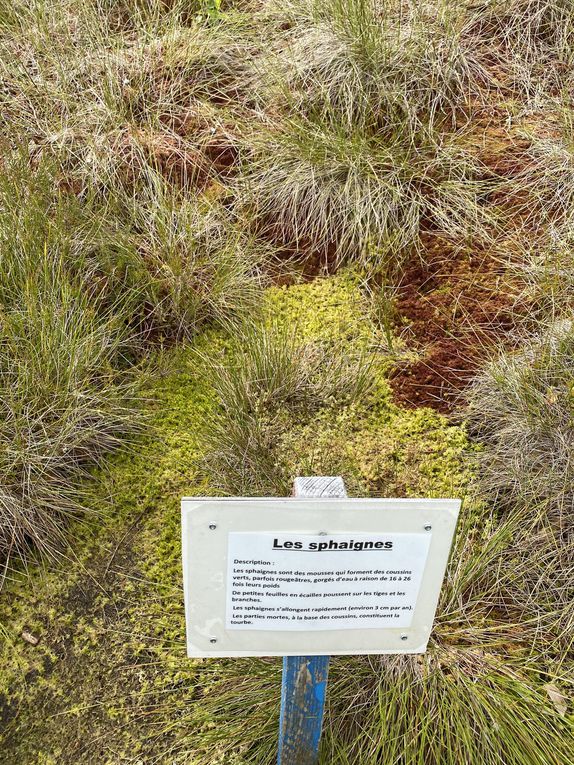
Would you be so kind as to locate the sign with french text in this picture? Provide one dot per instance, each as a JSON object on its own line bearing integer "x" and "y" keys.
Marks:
{"x": 267, "y": 577}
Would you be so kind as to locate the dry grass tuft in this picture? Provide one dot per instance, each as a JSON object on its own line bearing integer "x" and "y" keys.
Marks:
{"x": 365, "y": 197}
{"x": 123, "y": 98}
{"x": 376, "y": 63}
{"x": 521, "y": 408}
{"x": 531, "y": 40}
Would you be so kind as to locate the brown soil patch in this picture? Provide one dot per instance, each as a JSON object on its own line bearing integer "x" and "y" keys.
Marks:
{"x": 193, "y": 149}
{"x": 452, "y": 308}
{"x": 215, "y": 138}
{"x": 179, "y": 162}
{"x": 458, "y": 304}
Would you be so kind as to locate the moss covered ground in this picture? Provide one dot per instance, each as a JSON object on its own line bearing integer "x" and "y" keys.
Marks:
{"x": 108, "y": 681}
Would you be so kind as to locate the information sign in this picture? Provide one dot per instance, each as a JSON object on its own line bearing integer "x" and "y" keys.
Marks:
{"x": 280, "y": 577}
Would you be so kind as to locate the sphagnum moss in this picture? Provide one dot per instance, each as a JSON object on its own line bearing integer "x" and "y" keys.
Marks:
{"x": 109, "y": 682}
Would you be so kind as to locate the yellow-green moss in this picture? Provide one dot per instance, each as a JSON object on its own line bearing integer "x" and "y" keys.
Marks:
{"x": 330, "y": 309}
{"x": 399, "y": 454}
{"x": 379, "y": 448}
{"x": 109, "y": 682}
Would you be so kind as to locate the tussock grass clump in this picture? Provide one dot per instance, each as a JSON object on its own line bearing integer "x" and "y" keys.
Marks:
{"x": 63, "y": 405}
{"x": 522, "y": 409}
{"x": 274, "y": 377}
{"x": 548, "y": 177}
{"x": 361, "y": 163}
{"x": 365, "y": 197}
{"x": 377, "y": 63}
{"x": 184, "y": 75}
{"x": 84, "y": 292}
{"x": 65, "y": 395}
{"x": 127, "y": 99}
{"x": 532, "y": 39}
{"x": 443, "y": 703}
{"x": 189, "y": 262}
{"x": 533, "y": 26}
{"x": 165, "y": 264}
{"x": 547, "y": 279}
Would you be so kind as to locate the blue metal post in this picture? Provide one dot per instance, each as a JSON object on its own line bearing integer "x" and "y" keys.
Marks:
{"x": 304, "y": 686}
{"x": 302, "y": 703}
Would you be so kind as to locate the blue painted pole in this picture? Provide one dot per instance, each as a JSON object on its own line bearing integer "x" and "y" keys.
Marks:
{"x": 302, "y": 703}
{"x": 304, "y": 686}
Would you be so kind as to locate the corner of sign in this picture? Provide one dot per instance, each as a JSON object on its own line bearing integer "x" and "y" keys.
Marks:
{"x": 185, "y": 506}
{"x": 454, "y": 506}
{"x": 193, "y": 652}
{"x": 190, "y": 504}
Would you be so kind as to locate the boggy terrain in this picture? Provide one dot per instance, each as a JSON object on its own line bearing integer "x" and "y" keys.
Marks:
{"x": 244, "y": 241}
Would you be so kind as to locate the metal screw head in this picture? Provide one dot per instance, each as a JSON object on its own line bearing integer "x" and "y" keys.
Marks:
{"x": 427, "y": 527}
{"x": 404, "y": 637}
{"x": 213, "y": 640}
{"x": 213, "y": 526}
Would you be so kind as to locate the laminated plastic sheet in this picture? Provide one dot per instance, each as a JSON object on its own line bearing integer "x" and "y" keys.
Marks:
{"x": 325, "y": 576}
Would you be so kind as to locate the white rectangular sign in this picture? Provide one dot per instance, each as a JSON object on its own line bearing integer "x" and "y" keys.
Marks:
{"x": 268, "y": 577}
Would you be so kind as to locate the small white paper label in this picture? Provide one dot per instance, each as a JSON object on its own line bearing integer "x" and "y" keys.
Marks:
{"x": 286, "y": 581}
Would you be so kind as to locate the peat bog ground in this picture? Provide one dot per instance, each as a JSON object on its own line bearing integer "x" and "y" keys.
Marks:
{"x": 244, "y": 241}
